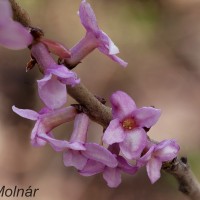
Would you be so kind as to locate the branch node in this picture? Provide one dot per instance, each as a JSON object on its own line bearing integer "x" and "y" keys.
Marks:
{"x": 80, "y": 108}
{"x": 184, "y": 159}
{"x": 101, "y": 99}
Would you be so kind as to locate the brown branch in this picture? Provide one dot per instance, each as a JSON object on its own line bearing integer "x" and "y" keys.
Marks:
{"x": 20, "y": 14}
{"x": 188, "y": 183}
{"x": 95, "y": 109}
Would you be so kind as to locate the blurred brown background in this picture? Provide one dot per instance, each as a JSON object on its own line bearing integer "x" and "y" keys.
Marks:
{"x": 161, "y": 42}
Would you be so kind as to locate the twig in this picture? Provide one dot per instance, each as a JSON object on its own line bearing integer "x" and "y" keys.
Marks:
{"x": 20, "y": 14}
{"x": 179, "y": 168}
{"x": 95, "y": 109}
{"x": 188, "y": 183}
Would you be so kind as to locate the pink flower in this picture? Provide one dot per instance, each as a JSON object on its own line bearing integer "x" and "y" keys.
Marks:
{"x": 156, "y": 155}
{"x": 52, "y": 87}
{"x": 127, "y": 125}
{"x": 46, "y": 120}
{"x": 12, "y": 34}
{"x": 94, "y": 38}
{"x": 77, "y": 152}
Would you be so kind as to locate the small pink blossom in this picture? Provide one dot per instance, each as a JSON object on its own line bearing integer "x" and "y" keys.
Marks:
{"x": 127, "y": 126}
{"x": 46, "y": 120}
{"x": 156, "y": 155}
{"x": 52, "y": 87}
{"x": 12, "y": 34}
{"x": 94, "y": 38}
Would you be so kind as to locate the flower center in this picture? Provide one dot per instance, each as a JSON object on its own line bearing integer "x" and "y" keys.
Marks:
{"x": 129, "y": 124}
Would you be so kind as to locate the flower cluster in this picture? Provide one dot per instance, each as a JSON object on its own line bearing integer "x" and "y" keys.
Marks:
{"x": 126, "y": 146}
{"x": 126, "y": 140}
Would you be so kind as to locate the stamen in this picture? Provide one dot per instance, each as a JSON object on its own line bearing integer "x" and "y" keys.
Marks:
{"x": 129, "y": 124}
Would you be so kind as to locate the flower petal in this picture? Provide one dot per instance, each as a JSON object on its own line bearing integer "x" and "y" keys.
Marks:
{"x": 142, "y": 161}
{"x": 61, "y": 71}
{"x": 38, "y": 142}
{"x": 65, "y": 76}
{"x": 72, "y": 81}
{"x": 14, "y": 36}
{"x": 35, "y": 130}
{"x": 26, "y": 113}
{"x": 38, "y": 129}
{"x": 134, "y": 143}
{"x": 114, "y": 133}
{"x": 146, "y": 116}
{"x": 52, "y": 92}
{"x": 166, "y": 150}
{"x": 5, "y": 12}
{"x": 99, "y": 153}
{"x": 106, "y": 45}
{"x": 118, "y": 60}
{"x": 91, "y": 168}
{"x": 87, "y": 16}
{"x": 112, "y": 176}
{"x": 74, "y": 158}
{"x": 57, "y": 145}
{"x": 153, "y": 169}
{"x": 122, "y": 105}
{"x": 77, "y": 146}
